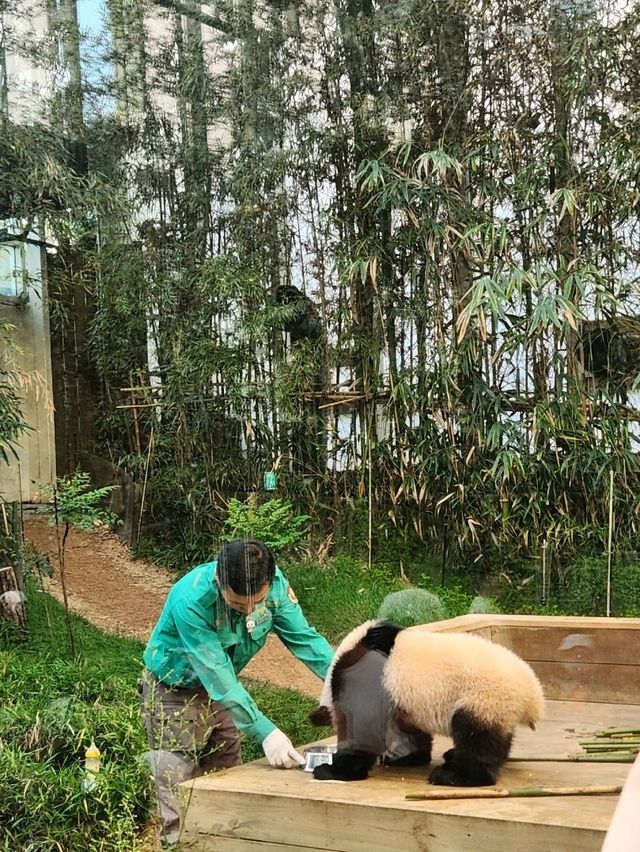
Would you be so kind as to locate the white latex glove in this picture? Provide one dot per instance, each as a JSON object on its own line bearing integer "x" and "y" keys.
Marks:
{"x": 280, "y": 752}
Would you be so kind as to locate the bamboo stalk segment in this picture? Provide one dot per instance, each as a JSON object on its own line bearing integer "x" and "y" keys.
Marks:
{"x": 623, "y": 744}
{"x": 438, "y": 794}
{"x": 607, "y": 757}
{"x": 618, "y": 732}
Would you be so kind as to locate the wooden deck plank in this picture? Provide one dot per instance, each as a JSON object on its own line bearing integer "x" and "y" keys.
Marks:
{"x": 256, "y": 804}
{"x": 589, "y": 668}
{"x": 346, "y": 827}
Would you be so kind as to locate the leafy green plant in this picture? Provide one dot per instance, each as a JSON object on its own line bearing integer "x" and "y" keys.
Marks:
{"x": 52, "y": 705}
{"x": 273, "y": 522}
{"x": 481, "y": 605}
{"x": 455, "y": 599}
{"x": 34, "y": 564}
{"x": 412, "y": 606}
{"x": 73, "y": 503}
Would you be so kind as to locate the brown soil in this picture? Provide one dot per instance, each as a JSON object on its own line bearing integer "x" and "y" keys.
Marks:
{"x": 123, "y": 595}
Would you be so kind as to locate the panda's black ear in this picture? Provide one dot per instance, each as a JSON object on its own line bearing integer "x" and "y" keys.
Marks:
{"x": 381, "y": 637}
{"x": 320, "y": 717}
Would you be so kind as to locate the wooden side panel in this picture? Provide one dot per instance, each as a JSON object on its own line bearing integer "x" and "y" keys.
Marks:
{"x": 571, "y": 643}
{"x": 275, "y": 825}
{"x": 591, "y": 683}
{"x": 206, "y": 843}
{"x": 580, "y": 662}
{"x": 483, "y": 630}
{"x": 572, "y": 623}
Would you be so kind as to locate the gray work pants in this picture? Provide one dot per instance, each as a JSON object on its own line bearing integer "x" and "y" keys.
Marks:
{"x": 188, "y": 734}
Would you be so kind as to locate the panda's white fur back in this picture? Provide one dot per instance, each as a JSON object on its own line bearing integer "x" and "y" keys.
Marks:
{"x": 430, "y": 675}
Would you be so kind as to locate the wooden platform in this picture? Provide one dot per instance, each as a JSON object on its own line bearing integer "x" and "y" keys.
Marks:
{"x": 590, "y": 669}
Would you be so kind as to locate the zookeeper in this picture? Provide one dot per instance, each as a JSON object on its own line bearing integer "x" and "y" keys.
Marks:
{"x": 215, "y": 619}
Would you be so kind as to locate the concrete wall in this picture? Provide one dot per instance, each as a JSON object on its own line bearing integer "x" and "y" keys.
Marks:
{"x": 22, "y": 479}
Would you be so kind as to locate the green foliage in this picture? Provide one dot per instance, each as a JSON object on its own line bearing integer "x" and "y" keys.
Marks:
{"x": 455, "y": 599}
{"x": 483, "y": 606}
{"x": 35, "y": 565}
{"x": 337, "y": 597}
{"x": 273, "y": 522}
{"x": 490, "y": 433}
{"x": 51, "y": 707}
{"x": 76, "y": 503}
{"x": 583, "y": 590}
{"x": 52, "y": 704}
{"x": 412, "y": 606}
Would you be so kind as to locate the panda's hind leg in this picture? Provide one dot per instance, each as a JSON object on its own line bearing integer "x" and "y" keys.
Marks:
{"x": 479, "y": 752}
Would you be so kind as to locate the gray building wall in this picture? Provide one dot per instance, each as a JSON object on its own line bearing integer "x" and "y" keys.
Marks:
{"x": 31, "y": 358}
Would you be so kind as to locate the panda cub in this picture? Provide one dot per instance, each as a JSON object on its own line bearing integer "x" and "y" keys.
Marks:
{"x": 390, "y": 689}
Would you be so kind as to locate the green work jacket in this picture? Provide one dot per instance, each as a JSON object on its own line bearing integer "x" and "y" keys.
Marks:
{"x": 200, "y": 642}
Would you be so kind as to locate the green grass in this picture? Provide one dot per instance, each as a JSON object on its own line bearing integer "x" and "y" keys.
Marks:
{"x": 52, "y": 705}
{"x": 337, "y": 598}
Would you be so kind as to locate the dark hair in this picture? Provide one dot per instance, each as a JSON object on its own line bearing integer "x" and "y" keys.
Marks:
{"x": 244, "y": 566}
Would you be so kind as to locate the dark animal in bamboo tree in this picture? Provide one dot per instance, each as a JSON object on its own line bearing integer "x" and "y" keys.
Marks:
{"x": 304, "y": 322}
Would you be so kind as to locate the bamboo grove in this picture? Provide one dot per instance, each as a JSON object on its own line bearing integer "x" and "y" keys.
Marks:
{"x": 388, "y": 249}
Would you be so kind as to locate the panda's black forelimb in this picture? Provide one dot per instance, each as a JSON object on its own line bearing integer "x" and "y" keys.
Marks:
{"x": 381, "y": 637}
{"x": 348, "y": 765}
{"x": 415, "y": 758}
{"x": 479, "y": 752}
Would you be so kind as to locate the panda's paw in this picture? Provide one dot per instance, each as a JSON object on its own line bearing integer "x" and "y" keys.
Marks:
{"x": 449, "y": 755}
{"x": 444, "y": 776}
{"x": 324, "y": 772}
{"x": 456, "y": 775}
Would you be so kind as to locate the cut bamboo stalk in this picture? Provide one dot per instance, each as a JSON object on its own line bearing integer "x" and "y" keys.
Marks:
{"x": 608, "y": 757}
{"x": 621, "y": 747}
{"x": 515, "y": 792}
{"x": 617, "y": 732}
{"x": 612, "y": 747}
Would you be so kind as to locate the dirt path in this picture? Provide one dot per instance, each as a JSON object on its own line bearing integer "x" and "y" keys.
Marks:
{"x": 123, "y": 595}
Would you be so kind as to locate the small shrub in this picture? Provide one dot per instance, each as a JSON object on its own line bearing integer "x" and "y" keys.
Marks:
{"x": 273, "y": 522}
{"x": 412, "y": 606}
{"x": 337, "y": 597}
{"x": 78, "y": 505}
{"x": 456, "y": 601}
{"x": 483, "y": 606}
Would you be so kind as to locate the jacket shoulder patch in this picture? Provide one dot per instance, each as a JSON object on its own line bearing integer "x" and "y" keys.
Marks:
{"x": 292, "y": 595}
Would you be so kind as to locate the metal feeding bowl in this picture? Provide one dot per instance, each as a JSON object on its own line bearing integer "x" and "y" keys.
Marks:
{"x": 317, "y": 755}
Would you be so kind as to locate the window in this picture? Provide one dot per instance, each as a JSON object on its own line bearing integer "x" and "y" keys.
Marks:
{"x": 12, "y": 270}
